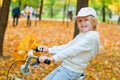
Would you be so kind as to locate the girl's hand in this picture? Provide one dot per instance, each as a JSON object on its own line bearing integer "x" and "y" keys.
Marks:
{"x": 45, "y": 48}
{"x": 43, "y": 58}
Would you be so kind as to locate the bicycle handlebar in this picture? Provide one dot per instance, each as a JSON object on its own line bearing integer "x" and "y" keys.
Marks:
{"x": 25, "y": 68}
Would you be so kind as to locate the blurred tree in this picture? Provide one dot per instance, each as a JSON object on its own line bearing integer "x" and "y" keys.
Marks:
{"x": 1, "y": 1}
{"x": 0, "y": 9}
{"x": 80, "y": 4}
{"x": 64, "y": 9}
{"x": 40, "y": 11}
{"x": 20, "y": 3}
{"x": 69, "y": 11}
{"x": 115, "y": 7}
{"x": 103, "y": 11}
{"x": 104, "y": 6}
{"x": 50, "y": 7}
{"x": 3, "y": 22}
{"x": 52, "y": 2}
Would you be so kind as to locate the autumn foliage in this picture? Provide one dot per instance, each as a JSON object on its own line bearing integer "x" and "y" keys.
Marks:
{"x": 20, "y": 39}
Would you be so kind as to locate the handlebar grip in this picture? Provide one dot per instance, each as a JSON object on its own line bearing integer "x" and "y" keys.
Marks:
{"x": 39, "y": 49}
{"x": 47, "y": 61}
{"x": 37, "y": 62}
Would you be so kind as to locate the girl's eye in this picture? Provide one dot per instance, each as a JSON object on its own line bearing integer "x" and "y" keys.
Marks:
{"x": 86, "y": 19}
{"x": 79, "y": 20}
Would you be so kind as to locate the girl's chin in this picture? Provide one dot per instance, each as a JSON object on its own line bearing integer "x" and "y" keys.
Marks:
{"x": 84, "y": 30}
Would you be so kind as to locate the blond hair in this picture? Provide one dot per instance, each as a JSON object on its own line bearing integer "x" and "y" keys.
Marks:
{"x": 93, "y": 21}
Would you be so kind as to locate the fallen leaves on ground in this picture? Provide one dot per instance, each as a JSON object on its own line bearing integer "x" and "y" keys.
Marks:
{"x": 20, "y": 39}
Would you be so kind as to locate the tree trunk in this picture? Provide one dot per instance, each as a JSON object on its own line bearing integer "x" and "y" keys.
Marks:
{"x": 40, "y": 11}
{"x": 80, "y": 4}
{"x": 0, "y": 10}
{"x": 64, "y": 10}
{"x": 20, "y": 4}
{"x": 3, "y": 22}
{"x": 103, "y": 13}
{"x": 51, "y": 13}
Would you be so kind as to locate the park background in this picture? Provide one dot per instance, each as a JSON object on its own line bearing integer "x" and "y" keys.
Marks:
{"x": 53, "y": 27}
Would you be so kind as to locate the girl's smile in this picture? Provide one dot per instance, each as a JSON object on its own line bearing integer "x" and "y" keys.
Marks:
{"x": 84, "y": 24}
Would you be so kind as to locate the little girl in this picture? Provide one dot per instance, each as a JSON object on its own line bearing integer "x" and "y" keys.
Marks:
{"x": 76, "y": 54}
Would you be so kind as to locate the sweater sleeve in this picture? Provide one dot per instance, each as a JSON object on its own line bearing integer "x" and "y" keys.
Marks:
{"x": 56, "y": 49}
{"x": 80, "y": 47}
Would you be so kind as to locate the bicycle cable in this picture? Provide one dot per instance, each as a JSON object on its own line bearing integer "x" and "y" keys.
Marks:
{"x": 12, "y": 65}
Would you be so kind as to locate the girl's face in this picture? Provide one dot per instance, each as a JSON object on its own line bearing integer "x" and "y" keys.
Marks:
{"x": 84, "y": 24}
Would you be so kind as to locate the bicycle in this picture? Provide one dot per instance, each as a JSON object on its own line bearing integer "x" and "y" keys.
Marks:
{"x": 25, "y": 68}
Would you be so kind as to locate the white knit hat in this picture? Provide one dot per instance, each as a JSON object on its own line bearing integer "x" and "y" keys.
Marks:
{"x": 86, "y": 11}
